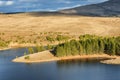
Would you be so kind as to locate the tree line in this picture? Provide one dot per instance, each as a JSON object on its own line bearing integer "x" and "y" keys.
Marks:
{"x": 89, "y": 44}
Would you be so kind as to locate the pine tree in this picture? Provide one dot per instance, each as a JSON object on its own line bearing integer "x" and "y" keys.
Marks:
{"x": 74, "y": 50}
{"x": 60, "y": 51}
{"x": 49, "y": 47}
{"x": 40, "y": 48}
{"x": 101, "y": 46}
{"x": 81, "y": 50}
{"x": 67, "y": 48}
{"x": 30, "y": 50}
{"x": 113, "y": 47}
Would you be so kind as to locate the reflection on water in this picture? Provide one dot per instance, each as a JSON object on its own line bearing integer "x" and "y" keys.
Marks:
{"x": 72, "y": 62}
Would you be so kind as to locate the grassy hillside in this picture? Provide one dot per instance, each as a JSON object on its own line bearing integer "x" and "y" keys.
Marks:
{"x": 27, "y": 28}
{"x": 73, "y": 24}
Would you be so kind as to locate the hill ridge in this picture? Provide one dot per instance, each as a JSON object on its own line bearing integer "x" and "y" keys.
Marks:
{"x": 108, "y": 8}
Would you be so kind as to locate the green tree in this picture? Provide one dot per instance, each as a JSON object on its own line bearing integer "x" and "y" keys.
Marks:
{"x": 30, "y": 50}
{"x": 40, "y": 48}
{"x": 60, "y": 51}
{"x": 67, "y": 48}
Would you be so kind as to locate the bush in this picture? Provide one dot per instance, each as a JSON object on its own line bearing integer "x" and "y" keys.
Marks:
{"x": 50, "y": 47}
{"x": 30, "y": 50}
{"x": 40, "y": 48}
{"x": 61, "y": 38}
{"x": 27, "y": 57}
{"x": 3, "y": 43}
{"x": 49, "y": 38}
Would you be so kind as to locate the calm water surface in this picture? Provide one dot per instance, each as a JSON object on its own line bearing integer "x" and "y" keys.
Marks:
{"x": 7, "y": 6}
{"x": 62, "y": 70}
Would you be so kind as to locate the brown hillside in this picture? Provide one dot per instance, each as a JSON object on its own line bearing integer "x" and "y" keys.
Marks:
{"x": 25, "y": 23}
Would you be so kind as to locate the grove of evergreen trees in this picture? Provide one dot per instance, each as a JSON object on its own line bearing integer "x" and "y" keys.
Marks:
{"x": 89, "y": 44}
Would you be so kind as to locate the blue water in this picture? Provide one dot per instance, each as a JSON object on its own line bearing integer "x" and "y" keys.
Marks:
{"x": 61, "y": 70}
{"x": 7, "y": 6}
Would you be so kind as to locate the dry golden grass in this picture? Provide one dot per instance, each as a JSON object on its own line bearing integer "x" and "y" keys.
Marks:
{"x": 26, "y": 28}
{"x": 25, "y": 23}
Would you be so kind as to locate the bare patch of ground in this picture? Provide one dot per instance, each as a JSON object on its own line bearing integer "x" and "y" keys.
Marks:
{"x": 37, "y": 57}
{"x": 46, "y": 56}
{"x": 112, "y": 61}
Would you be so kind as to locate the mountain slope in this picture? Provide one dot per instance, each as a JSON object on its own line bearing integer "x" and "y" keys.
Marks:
{"x": 108, "y": 8}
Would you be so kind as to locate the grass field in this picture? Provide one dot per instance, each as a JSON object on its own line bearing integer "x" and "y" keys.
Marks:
{"x": 27, "y": 27}
{"x": 73, "y": 24}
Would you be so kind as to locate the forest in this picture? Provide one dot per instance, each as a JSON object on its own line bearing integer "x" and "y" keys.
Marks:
{"x": 89, "y": 44}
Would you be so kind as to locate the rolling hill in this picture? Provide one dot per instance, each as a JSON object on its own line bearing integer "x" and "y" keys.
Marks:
{"x": 108, "y": 8}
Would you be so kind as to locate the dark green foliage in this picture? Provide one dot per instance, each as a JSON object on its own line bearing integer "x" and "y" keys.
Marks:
{"x": 39, "y": 48}
{"x": 89, "y": 44}
{"x": 30, "y": 50}
{"x": 27, "y": 57}
{"x": 50, "y": 38}
{"x": 60, "y": 51}
{"x": 61, "y": 38}
{"x": 3, "y": 44}
{"x": 117, "y": 46}
{"x": 34, "y": 50}
{"x": 101, "y": 45}
{"x": 67, "y": 49}
{"x": 117, "y": 51}
{"x": 74, "y": 47}
{"x": 49, "y": 47}
{"x": 81, "y": 50}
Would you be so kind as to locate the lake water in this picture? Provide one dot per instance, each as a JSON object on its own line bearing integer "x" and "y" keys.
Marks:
{"x": 7, "y": 6}
{"x": 62, "y": 70}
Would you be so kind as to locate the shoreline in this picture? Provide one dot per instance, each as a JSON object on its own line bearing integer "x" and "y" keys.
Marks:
{"x": 112, "y": 59}
{"x": 46, "y": 56}
{"x": 3, "y": 49}
{"x": 43, "y": 56}
{"x": 16, "y": 45}
{"x": 115, "y": 61}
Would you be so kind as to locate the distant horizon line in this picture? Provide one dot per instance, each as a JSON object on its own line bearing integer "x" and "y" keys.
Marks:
{"x": 49, "y": 10}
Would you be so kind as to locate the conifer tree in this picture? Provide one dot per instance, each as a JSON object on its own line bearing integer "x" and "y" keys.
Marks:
{"x": 60, "y": 51}
{"x": 30, "y": 50}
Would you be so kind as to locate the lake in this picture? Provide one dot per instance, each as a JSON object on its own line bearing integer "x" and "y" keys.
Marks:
{"x": 61, "y": 70}
{"x": 10, "y": 6}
